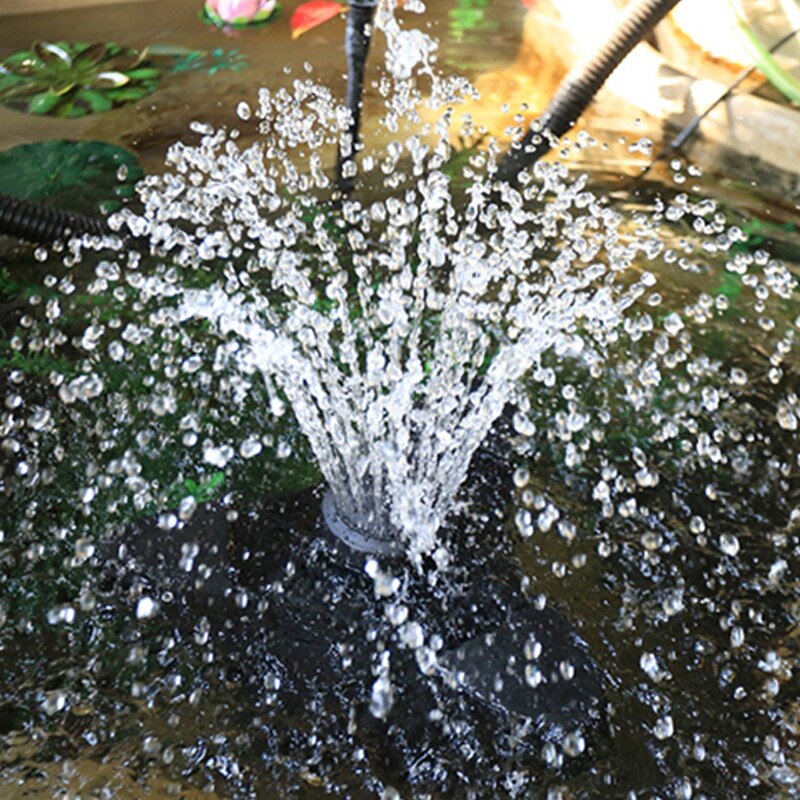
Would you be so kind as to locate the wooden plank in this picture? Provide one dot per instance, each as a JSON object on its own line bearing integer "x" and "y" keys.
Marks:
{"x": 648, "y": 84}
{"x": 13, "y": 7}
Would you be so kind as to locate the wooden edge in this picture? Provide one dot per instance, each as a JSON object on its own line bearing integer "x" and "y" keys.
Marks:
{"x": 647, "y": 84}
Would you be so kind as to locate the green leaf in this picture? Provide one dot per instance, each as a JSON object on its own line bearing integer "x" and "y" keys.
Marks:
{"x": 22, "y": 59}
{"x": 780, "y": 78}
{"x": 94, "y": 53}
{"x": 97, "y": 101}
{"x": 81, "y": 176}
{"x": 18, "y": 95}
{"x": 144, "y": 73}
{"x": 8, "y": 79}
{"x": 128, "y": 94}
{"x": 49, "y": 53}
{"x": 62, "y": 89}
{"x": 171, "y": 50}
{"x": 44, "y": 103}
{"x": 69, "y": 109}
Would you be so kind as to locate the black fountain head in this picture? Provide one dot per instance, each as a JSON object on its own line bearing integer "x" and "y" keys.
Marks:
{"x": 358, "y": 35}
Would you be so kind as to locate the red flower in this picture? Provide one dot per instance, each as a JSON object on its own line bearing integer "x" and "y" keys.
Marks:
{"x": 313, "y": 13}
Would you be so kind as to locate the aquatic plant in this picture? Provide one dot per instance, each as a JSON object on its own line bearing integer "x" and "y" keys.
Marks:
{"x": 72, "y": 79}
{"x": 470, "y": 16}
{"x": 81, "y": 176}
{"x": 210, "y": 62}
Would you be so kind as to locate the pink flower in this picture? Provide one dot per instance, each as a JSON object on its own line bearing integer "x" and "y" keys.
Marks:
{"x": 241, "y": 10}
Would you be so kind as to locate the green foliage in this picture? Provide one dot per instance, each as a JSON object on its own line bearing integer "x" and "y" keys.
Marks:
{"x": 9, "y": 286}
{"x": 780, "y": 78}
{"x": 211, "y": 63}
{"x": 39, "y": 364}
{"x": 470, "y": 16}
{"x": 461, "y": 159}
{"x": 759, "y": 232}
{"x": 73, "y": 79}
{"x": 82, "y": 176}
{"x": 730, "y": 285}
{"x": 205, "y": 490}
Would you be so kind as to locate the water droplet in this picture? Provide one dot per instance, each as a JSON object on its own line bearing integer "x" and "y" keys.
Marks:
{"x": 786, "y": 417}
{"x": 673, "y": 324}
{"x": 574, "y": 744}
{"x": 382, "y": 695}
{"x": 243, "y": 110}
{"x": 664, "y": 728}
{"x": 54, "y": 702}
{"x": 412, "y": 635}
{"x": 187, "y": 507}
{"x": 533, "y": 675}
{"x": 61, "y": 614}
{"x": 523, "y": 425}
{"x": 729, "y": 544}
{"x": 146, "y": 608}
{"x": 250, "y": 448}
{"x": 521, "y": 477}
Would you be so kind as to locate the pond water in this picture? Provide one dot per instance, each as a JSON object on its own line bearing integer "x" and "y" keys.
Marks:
{"x": 176, "y": 622}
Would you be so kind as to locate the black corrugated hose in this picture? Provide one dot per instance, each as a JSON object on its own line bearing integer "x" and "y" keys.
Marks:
{"x": 582, "y": 84}
{"x": 356, "y": 44}
{"x": 38, "y": 223}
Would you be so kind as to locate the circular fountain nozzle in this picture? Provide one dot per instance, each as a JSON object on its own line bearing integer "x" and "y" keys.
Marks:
{"x": 356, "y": 538}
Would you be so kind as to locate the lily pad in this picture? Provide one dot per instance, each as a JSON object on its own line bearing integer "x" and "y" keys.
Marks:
{"x": 73, "y": 79}
{"x": 81, "y": 176}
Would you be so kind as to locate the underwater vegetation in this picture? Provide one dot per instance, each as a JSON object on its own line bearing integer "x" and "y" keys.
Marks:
{"x": 73, "y": 79}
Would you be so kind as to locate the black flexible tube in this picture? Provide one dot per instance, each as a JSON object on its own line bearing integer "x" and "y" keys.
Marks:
{"x": 356, "y": 44}
{"x": 39, "y": 223}
{"x": 582, "y": 84}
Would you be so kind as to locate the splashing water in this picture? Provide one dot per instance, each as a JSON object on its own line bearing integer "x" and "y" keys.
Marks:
{"x": 397, "y": 330}
{"x": 397, "y": 366}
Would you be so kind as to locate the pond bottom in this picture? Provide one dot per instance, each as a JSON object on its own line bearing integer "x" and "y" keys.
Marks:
{"x": 439, "y": 680}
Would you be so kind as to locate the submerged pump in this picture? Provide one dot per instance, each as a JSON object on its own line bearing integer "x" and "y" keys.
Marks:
{"x": 358, "y": 539}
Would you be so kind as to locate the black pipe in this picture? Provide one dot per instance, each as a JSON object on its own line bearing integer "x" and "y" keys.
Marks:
{"x": 356, "y": 44}
{"x": 41, "y": 224}
{"x": 582, "y": 84}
